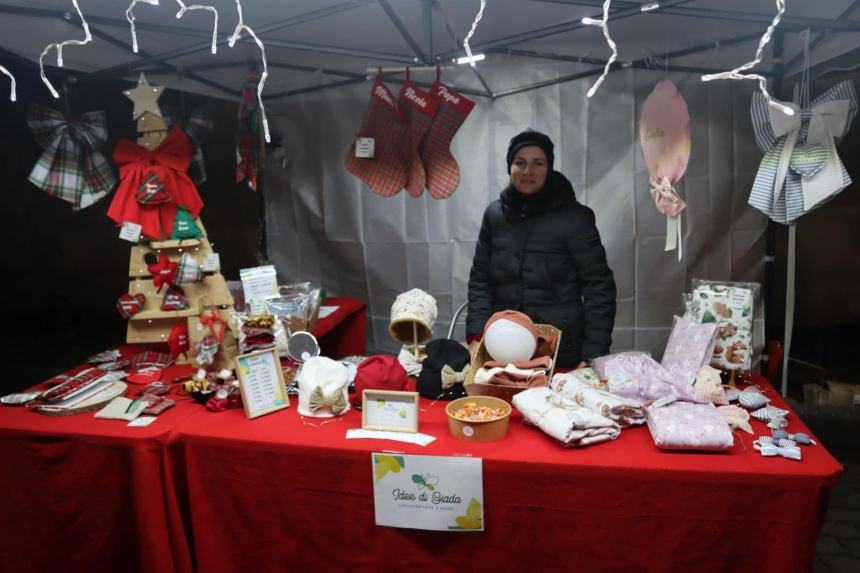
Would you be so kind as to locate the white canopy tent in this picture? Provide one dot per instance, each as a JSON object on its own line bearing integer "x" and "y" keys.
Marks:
{"x": 323, "y": 225}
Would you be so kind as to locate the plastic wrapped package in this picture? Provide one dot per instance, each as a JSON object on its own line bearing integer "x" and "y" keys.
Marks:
{"x": 731, "y": 306}
{"x": 297, "y": 305}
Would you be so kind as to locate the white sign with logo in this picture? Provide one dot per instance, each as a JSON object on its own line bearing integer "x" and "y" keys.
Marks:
{"x": 428, "y": 492}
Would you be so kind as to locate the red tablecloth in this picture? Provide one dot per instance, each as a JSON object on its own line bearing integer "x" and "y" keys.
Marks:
{"x": 343, "y": 332}
{"x": 85, "y": 494}
{"x": 284, "y": 492}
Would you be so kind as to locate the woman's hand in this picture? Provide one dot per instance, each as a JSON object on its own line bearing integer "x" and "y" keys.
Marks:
{"x": 581, "y": 365}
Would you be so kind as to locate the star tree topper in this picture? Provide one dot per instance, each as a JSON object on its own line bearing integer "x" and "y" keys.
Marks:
{"x": 145, "y": 97}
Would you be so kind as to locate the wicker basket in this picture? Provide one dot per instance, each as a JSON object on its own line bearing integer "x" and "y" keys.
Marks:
{"x": 506, "y": 393}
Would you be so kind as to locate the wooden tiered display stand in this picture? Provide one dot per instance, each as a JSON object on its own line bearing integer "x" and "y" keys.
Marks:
{"x": 152, "y": 324}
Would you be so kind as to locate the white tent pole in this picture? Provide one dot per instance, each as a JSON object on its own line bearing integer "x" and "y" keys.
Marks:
{"x": 789, "y": 303}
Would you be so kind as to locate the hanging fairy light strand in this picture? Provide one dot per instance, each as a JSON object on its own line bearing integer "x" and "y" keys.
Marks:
{"x": 604, "y": 25}
{"x": 129, "y": 15}
{"x": 12, "y": 95}
{"x": 183, "y": 8}
{"x": 736, "y": 74}
{"x": 232, "y": 42}
{"x": 470, "y": 59}
{"x": 59, "y": 47}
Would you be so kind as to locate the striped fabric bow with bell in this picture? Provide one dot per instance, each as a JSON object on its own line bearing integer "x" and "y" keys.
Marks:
{"x": 318, "y": 400}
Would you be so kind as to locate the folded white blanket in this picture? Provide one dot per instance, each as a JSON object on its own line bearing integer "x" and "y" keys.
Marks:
{"x": 563, "y": 419}
{"x": 625, "y": 411}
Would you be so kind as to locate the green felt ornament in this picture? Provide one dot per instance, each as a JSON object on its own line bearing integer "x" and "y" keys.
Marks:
{"x": 184, "y": 226}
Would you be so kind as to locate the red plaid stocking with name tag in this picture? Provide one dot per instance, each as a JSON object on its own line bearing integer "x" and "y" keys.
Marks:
{"x": 418, "y": 108}
{"x": 385, "y": 173}
{"x": 443, "y": 173}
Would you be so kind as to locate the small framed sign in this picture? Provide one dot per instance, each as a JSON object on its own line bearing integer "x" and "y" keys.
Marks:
{"x": 389, "y": 410}
{"x": 261, "y": 382}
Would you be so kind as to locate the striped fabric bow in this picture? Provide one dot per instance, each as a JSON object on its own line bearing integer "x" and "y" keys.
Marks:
{"x": 801, "y": 168}
{"x": 71, "y": 168}
{"x": 318, "y": 400}
{"x": 451, "y": 376}
{"x": 799, "y": 437}
{"x": 769, "y": 450}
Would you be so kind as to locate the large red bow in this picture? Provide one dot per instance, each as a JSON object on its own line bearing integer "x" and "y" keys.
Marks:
{"x": 168, "y": 162}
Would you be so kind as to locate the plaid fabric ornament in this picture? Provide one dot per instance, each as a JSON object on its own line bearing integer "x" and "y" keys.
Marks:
{"x": 71, "y": 168}
{"x": 418, "y": 108}
{"x": 150, "y": 359}
{"x": 128, "y": 305}
{"x": 385, "y": 173}
{"x": 443, "y": 173}
{"x": 188, "y": 270}
{"x": 206, "y": 350}
{"x": 197, "y": 127}
{"x": 174, "y": 299}
{"x": 184, "y": 226}
{"x": 250, "y": 143}
{"x": 152, "y": 192}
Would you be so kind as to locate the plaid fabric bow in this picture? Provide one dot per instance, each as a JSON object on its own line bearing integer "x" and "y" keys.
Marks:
{"x": 335, "y": 401}
{"x": 197, "y": 127}
{"x": 250, "y": 146}
{"x": 71, "y": 168}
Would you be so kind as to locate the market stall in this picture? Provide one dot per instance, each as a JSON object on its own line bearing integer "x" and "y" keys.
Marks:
{"x": 314, "y": 401}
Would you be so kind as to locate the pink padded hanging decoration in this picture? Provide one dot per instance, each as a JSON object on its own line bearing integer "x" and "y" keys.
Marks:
{"x": 664, "y": 136}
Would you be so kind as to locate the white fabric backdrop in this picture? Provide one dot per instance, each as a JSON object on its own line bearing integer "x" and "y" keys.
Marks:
{"x": 325, "y": 226}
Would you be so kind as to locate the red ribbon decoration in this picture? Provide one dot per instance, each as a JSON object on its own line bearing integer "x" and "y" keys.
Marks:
{"x": 216, "y": 324}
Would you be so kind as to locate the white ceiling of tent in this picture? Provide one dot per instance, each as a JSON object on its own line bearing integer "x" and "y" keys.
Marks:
{"x": 330, "y": 41}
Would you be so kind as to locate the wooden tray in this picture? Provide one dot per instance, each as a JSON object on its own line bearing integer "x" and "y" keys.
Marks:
{"x": 95, "y": 402}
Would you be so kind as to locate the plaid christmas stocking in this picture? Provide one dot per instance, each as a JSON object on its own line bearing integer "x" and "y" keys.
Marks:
{"x": 385, "y": 173}
{"x": 418, "y": 108}
{"x": 443, "y": 173}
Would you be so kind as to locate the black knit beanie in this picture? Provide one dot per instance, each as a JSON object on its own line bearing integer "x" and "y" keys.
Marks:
{"x": 527, "y": 138}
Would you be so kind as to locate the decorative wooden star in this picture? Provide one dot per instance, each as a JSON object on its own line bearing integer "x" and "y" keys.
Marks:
{"x": 145, "y": 97}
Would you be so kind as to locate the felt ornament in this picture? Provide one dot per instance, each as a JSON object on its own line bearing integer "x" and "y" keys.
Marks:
{"x": 206, "y": 350}
{"x": 664, "y": 136}
{"x": 188, "y": 270}
{"x": 801, "y": 168}
{"x": 250, "y": 143}
{"x": 152, "y": 192}
{"x": 177, "y": 340}
{"x": 71, "y": 168}
{"x": 163, "y": 272}
{"x": 169, "y": 163}
{"x": 442, "y": 171}
{"x": 130, "y": 304}
{"x": 184, "y": 226}
{"x": 385, "y": 173}
{"x": 174, "y": 299}
{"x": 418, "y": 108}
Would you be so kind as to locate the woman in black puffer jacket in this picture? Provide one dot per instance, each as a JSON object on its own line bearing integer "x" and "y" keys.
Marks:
{"x": 539, "y": 252}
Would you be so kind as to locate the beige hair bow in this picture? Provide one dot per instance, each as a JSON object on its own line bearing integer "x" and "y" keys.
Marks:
{"x": 335, "y": 401}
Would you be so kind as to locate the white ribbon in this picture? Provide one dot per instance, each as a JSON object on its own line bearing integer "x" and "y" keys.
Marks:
{"x": 667, "y": 201}
{"x": 828, "y": 121}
